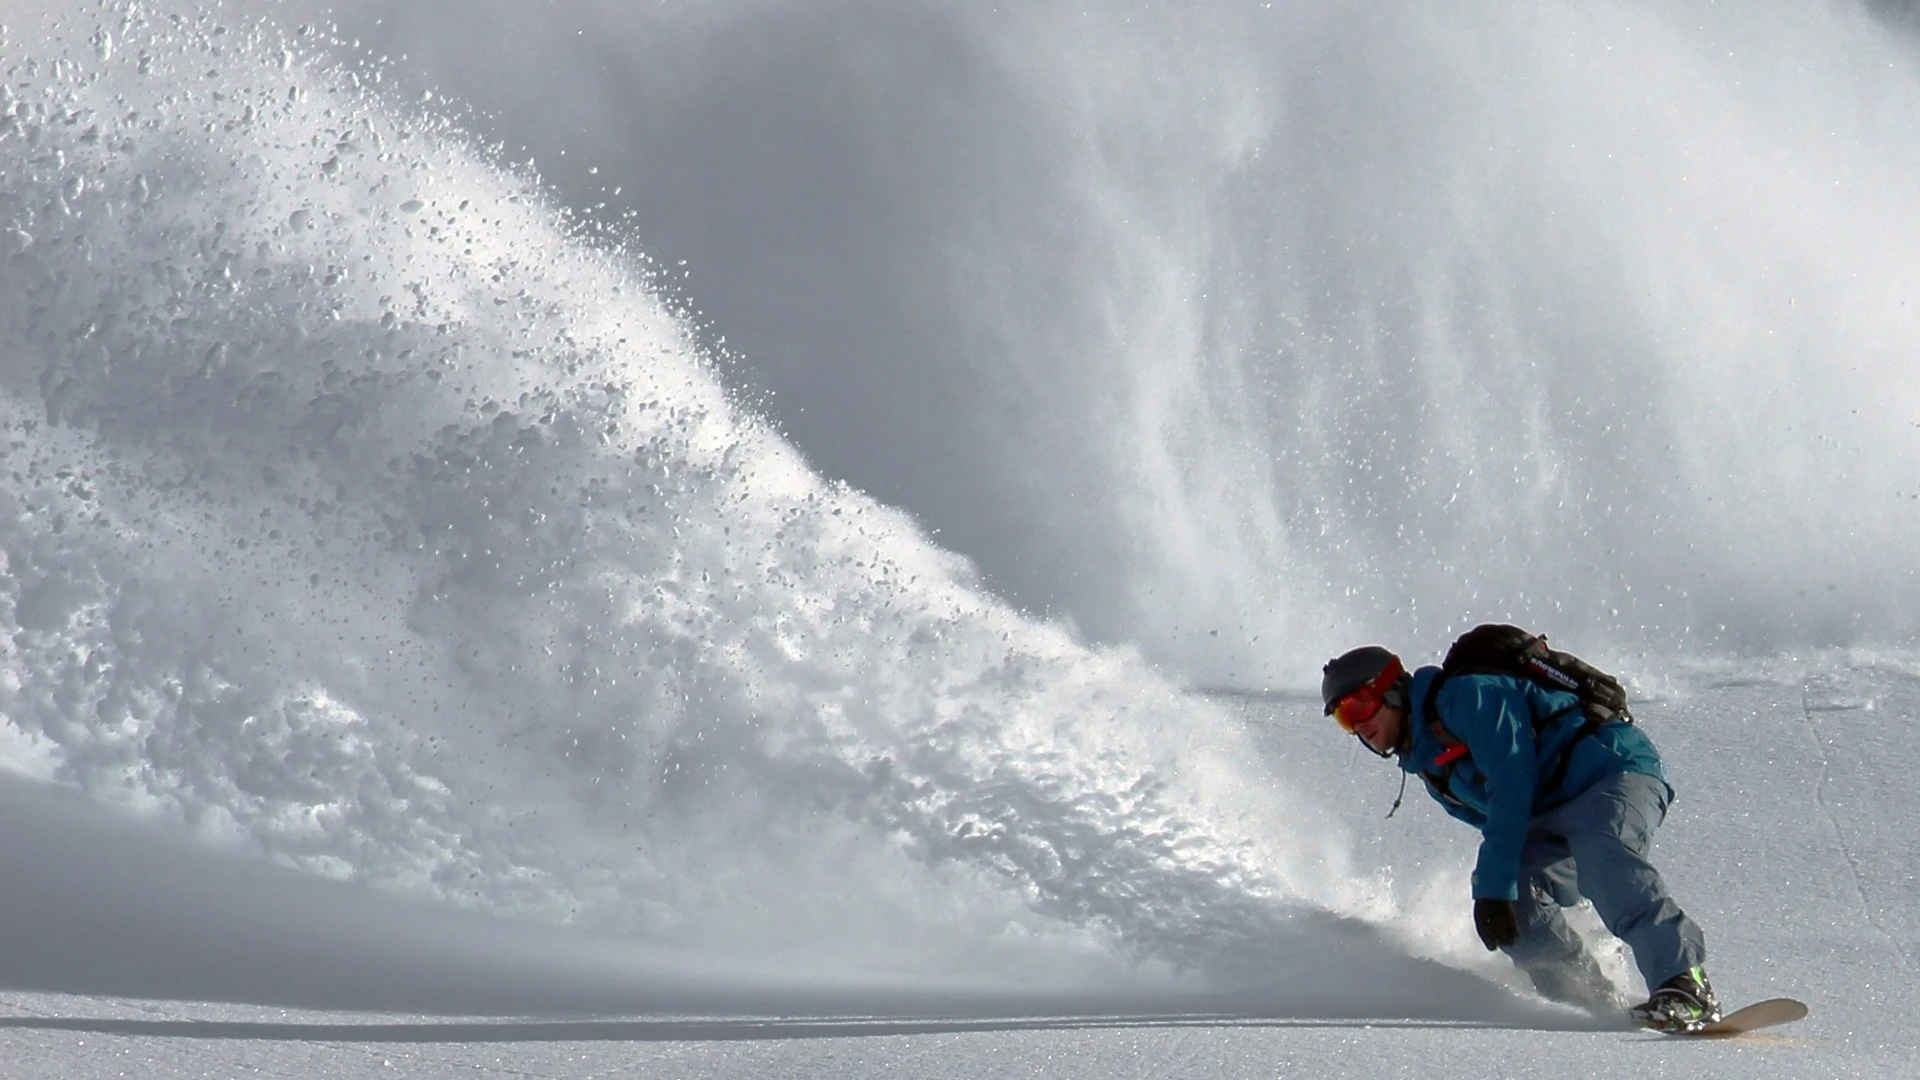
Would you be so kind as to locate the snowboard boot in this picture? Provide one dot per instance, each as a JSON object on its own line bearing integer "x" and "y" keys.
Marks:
{"x": 1682, "y": 1003}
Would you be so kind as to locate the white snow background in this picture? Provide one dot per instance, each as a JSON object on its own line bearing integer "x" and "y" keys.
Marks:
{"x": 779, "y": 538}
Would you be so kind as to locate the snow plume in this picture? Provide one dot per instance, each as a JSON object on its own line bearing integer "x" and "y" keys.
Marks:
{"x": 358, "y": 511}
{"x": 1302, "y": 323}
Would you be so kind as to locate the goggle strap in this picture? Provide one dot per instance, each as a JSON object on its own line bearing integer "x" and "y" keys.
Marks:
{"x": 1384, "y": 681}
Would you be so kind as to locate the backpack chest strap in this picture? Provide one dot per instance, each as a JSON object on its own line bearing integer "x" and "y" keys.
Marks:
{"x": 1440, "y": 778}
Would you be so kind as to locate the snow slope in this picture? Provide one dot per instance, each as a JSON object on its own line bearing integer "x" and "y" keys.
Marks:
{"x": 1790, "y": 846}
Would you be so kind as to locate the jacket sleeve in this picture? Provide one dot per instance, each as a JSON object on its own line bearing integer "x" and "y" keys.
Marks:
{"x": 1493, "y": 718}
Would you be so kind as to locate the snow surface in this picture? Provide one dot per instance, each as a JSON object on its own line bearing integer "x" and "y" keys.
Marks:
{"x": 1788, "y": 846}
{"x": 426, "y": 648}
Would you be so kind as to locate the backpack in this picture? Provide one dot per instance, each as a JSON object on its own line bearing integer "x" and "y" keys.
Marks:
{"x": 1499, "y": 649}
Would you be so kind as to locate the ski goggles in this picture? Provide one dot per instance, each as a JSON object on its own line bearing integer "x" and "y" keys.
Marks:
{"x": 1361, "y": 703}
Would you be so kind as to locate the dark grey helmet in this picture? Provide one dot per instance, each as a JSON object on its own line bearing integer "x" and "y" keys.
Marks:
{"x": 1352, "y": 670}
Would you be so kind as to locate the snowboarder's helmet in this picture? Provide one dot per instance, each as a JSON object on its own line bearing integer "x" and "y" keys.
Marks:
{"x": 1352, "y": 670}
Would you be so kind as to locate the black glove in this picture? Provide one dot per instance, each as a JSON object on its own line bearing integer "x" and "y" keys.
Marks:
{"x": 1495, "y": 921}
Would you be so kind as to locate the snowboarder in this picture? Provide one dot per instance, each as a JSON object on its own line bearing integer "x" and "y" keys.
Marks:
{"x": 1566, "y": 810}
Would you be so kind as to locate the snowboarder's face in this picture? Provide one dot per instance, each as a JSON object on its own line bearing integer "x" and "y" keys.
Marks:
{"x": 1382, "y": 731}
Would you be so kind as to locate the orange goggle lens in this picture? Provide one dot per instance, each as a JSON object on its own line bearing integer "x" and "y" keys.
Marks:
{"x": 1357, "y": 708}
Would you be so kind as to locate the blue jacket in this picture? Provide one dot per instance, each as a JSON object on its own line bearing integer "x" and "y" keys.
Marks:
{"x": 1498, "y": 787}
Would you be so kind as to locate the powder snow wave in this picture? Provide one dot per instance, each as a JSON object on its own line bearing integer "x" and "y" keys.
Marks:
{"x": 361, "y": 511}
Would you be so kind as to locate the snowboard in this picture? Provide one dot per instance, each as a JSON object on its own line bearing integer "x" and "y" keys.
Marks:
{"x": 1761, "y": 1014}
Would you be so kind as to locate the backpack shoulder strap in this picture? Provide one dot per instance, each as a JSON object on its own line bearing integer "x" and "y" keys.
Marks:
{"x": 1440, "y": 781}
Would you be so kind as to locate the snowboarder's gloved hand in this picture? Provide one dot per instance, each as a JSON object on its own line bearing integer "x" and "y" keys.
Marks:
{"x": 1495, "y": 921}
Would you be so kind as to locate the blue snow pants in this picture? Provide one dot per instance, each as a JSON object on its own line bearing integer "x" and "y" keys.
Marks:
{"x": 1595, "y": 846}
